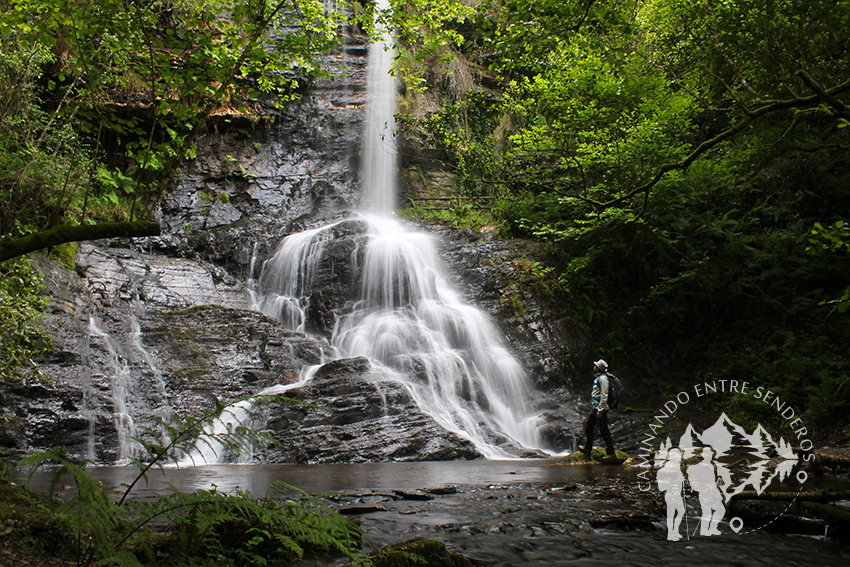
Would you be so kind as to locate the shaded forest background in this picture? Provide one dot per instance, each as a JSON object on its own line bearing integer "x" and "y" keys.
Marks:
{"x": 686, "y": 162}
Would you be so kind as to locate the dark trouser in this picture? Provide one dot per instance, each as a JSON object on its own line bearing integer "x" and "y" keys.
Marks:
{"x": 602, "y": 420}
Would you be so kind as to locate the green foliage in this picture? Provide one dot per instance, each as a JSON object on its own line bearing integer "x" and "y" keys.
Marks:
{"x": 462, "y": 130}
{"x": 211, "y": 528}
{"x": 835, "y": 238}
{"x": 425, "y": 36}
{"x": 30, "y": 527}
{"x": 620, "y": 98}
{"x": 461, "y": 215}
{"x": 594, "y": 123}
{"x": 831, "y": 239}
{"x": 520, "y": 34}
{"x": 40, "y": 163}
{"x": 205, "y": 527}
{"x": 21, "y": 307}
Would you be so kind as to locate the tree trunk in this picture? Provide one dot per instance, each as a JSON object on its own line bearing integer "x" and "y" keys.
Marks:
{"x": 14, "y": 247}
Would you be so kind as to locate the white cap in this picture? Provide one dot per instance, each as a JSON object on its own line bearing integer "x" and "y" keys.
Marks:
{"x": 601, "y": 365}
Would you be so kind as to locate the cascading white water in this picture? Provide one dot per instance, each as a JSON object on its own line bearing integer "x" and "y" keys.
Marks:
{"x": 448, "y": 354}
{"x": 162, "y": 409}
{"x": 137, "y": 388}
{"x": 416, "y": 330}
{"x": 288, "y": 277}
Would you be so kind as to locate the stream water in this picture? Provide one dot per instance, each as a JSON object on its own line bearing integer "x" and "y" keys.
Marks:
{"x": 502, "y": 513}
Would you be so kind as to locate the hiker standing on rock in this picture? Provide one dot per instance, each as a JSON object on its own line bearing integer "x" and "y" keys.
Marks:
{"x": 598, "y": 411}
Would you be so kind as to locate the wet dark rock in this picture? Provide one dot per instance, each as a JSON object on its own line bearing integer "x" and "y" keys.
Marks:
{"x": 442, "y": 490}
{"x": 118, "y": 276}
{"x": 412, "y": 495}
{"x": 180, "y": 362}
{"x": 361, "y": 422}
{"x": 336, "y": 277}
{"x": 251, "y": 180}
{"x": 495, "y": 275}
{"x": 626, "y": 522}
{"x": 360, "y": 510}
{"x": 334, "y": 282}
{"x": 225, "y": 354}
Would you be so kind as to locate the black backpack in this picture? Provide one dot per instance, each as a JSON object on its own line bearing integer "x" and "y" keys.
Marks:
{"x": 615, "y": 390}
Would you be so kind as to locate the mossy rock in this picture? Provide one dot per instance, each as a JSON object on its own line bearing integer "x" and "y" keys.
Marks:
{"x": 598, "y": 454}
{"x": 417, "y": 552}
{"x": 29, "y": 526}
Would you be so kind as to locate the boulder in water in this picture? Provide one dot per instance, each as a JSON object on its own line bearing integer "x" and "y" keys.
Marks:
{"x": 353, "y": 419}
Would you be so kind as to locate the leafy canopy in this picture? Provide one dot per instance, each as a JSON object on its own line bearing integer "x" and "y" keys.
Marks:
{"x": 675, "y": 156}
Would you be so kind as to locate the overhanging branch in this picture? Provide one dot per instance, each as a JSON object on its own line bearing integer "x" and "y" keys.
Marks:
{"x": 14, "y": 247}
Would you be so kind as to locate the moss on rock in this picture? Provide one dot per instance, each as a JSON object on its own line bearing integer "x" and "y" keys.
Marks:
{"x": 417, "y": 552}
{"x": 30, "y": 532}
{"x": 598, "y": 454}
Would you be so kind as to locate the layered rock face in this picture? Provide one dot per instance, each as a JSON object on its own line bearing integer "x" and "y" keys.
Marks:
{"x": 160, "y": 325}
{"x": 258, "y": 177}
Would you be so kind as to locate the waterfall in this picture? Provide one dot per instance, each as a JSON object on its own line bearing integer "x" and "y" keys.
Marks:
{"x": 447, "y": 354}
{"x": 407, "y": 320}
{"x": 121, "y": 389}
{"x": 417, "y": 332}
{"x": 136, "y": 387}
{"x": 288, "y": 277}
{"x": 163, "y": 409}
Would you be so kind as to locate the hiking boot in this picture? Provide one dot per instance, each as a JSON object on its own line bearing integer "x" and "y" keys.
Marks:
{"x": 611, "y": 460}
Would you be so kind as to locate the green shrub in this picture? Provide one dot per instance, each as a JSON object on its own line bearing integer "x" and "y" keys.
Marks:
{"x": 21, "y": 308}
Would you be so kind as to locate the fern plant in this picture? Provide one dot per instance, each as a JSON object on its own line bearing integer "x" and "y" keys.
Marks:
{"x": 205, "y": 527}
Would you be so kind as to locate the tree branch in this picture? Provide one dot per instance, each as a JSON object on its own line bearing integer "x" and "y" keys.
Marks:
{"x": 823, "y": 93}
{"x": 14, "y": 247}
